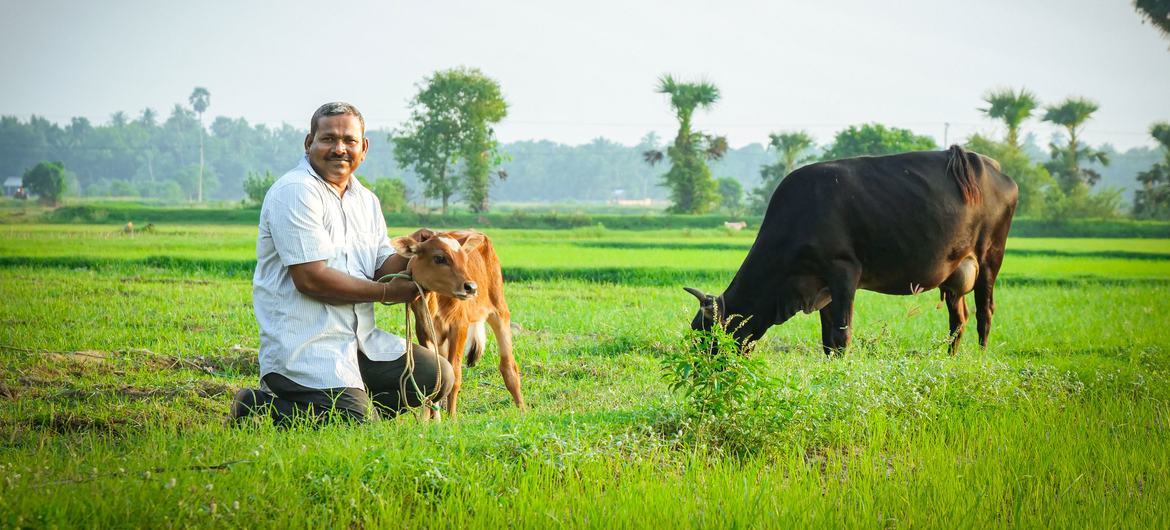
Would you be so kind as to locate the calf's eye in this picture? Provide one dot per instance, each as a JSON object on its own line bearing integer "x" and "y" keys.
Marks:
{"x": 440, "y": 260}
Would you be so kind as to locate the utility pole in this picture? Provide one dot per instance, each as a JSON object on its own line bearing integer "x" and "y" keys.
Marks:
{"x": 946, "y": 134}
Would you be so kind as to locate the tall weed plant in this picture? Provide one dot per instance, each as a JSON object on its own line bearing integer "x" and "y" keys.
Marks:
{"x": 729, "y": 402}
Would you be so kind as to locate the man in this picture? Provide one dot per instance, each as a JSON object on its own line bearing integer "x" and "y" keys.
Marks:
{"x": 322, "y": 243}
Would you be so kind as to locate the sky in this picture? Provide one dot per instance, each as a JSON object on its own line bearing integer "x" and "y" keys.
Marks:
{"x": 575, "y": 71}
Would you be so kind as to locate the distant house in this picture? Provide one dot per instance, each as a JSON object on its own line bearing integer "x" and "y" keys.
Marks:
{"x": 12, "y": 186}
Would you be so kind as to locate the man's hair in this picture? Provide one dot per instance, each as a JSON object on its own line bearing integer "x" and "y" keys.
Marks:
{"x": 335, "y": 108}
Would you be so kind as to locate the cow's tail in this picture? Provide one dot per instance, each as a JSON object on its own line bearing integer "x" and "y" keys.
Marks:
{"x": 476, "y": 342}
{"x": 965, "y": 167}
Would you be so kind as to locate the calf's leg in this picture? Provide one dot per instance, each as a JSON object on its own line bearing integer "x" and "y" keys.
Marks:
{"x": 501, "y": 327}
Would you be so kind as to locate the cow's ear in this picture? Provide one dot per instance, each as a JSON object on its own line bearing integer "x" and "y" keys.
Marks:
{"x": 473, "y": 241}
{"x": 405, "y": 246}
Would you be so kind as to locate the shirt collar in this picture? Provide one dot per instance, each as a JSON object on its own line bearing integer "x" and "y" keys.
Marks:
{"x": 353, "y": 181}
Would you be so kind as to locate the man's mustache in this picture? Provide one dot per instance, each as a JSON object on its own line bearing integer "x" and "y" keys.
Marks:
{"x": 342, "y": 157}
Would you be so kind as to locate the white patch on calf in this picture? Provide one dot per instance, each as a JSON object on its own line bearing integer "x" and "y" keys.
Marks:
{"x": 451, "y": 243}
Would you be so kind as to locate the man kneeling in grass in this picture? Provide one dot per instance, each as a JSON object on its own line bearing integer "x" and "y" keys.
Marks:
{"x": 322, "y": 243}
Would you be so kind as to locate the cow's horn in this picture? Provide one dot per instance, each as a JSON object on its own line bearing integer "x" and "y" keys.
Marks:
{"x": 697, "y": 293}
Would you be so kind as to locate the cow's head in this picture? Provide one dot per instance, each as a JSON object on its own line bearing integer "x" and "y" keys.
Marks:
{"x": 712, "y": 309}
{"x": 439, "y": 263}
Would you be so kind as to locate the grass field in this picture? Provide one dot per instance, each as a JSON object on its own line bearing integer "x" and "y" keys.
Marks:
{"x": 118, "y": 367}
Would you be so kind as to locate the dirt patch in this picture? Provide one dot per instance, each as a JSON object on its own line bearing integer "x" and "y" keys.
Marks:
{"x": 52, "y": 390}
{"x": 72, "y": 423}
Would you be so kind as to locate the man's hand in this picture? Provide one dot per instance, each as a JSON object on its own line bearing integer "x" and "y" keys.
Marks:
{"x": 399, "y": 291}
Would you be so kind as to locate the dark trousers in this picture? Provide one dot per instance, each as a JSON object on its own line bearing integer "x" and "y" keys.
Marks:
{"x": 383, "y": 380}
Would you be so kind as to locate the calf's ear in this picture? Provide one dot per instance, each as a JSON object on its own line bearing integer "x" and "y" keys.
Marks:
{"x": 405, "y": 246}
{"x": 473, "y": 241}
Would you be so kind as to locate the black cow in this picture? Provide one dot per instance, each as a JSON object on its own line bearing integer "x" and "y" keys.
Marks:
{"x": 898, "y": 224}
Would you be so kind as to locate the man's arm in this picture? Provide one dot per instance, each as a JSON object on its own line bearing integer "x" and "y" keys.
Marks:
{"x": 332, "y": 286}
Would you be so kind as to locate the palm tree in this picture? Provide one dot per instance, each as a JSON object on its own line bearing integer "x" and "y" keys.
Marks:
{"x": 692, "y": 188}
{"x": 1013, "y": 108}
{"x": 1152, "y": 201}
{"x": 1156, "y": 12}
{"x": 200, "y": 99}
{"x": 1072, "y": 113}
{"x": 790, "y": 145}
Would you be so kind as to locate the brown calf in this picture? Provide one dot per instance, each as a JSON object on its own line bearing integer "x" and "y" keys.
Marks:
{"x": 465, "y": 289}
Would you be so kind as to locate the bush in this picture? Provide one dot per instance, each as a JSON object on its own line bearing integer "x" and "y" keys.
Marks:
{"x": 728, "y": 396}
{"x": 256, "y": 186}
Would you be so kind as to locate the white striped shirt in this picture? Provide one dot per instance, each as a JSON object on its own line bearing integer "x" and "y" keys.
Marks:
{"x": 304, "y": 219}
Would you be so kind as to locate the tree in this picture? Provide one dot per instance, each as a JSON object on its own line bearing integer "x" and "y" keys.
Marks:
{"x": 791, "y": 152}
{"x": 450, "y": 127}
{"x": 730, "y": 195}
{"x": 391, "y": 193}
{"x": 47, "y": 180}
{"x": 1065, "y": 163}
{"x": 875, "y": 139}
{"x": 1013, "y": 108}
{"x": 1153, "y": 200}
{"x": 200, "y": 99}
{"x": 1156, "y": 12}
{"x": 692, "y": 190}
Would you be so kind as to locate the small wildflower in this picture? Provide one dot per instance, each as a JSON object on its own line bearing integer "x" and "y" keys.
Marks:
{"x": 170, "y": 483}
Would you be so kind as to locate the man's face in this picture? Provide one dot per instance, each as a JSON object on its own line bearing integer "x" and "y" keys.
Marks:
{"x": 337, "y": 148}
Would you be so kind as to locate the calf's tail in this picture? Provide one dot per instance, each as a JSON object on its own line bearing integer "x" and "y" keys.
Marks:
{"x": 965, "y": 167}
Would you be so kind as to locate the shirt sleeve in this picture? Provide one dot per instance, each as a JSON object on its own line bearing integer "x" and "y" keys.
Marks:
{"x": 297, "y": 223}
{"x": 384, "y": 248}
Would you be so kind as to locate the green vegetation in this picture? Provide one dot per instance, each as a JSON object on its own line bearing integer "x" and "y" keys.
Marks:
{"x": 115, "y": 382}
{"x": 1153, "y": 200}
{"x": 792, "y": 152}
{"x": 875, "y": 139}
{"x": 46, "y": 180}
{"x": 692, "y": 190}
{"x": 451, "y": 128}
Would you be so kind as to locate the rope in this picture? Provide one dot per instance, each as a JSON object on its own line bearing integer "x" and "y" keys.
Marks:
{"x": 428, "y": 321}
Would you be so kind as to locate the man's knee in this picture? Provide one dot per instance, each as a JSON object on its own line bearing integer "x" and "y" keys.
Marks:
{"x": 448, "y": 378}
{"x": 441, "y": 375}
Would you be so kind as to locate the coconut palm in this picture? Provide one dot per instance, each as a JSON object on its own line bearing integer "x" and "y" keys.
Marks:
{"x": 200, "y": 99}
{"x": 1013, "y": 107}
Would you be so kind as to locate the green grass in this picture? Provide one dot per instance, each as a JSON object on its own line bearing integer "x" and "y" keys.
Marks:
{"x": 115, "y": 376}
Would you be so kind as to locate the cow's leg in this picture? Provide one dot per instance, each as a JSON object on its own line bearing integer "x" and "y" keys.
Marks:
{"x": 826, "y": 328}
{"x": 957, "y": 308}
{"x": 842, "y": 280}
{"x": 502, "y": 328}
{"x": 455, "y": 344}
{"x": 985, "y": 294}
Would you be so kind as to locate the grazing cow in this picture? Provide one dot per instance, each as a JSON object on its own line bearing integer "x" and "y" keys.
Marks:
{"x": 464, "y": 290}
{"x": 897, "y": 224}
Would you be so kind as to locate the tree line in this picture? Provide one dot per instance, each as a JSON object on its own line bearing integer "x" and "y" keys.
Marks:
{"x": 447, "y": 153}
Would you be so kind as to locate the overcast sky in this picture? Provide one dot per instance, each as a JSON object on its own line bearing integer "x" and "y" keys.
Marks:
{"x": 574, "y": 71}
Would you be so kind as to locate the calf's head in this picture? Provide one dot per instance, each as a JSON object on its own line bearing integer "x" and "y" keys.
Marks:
{"x": 439, "y": 263}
